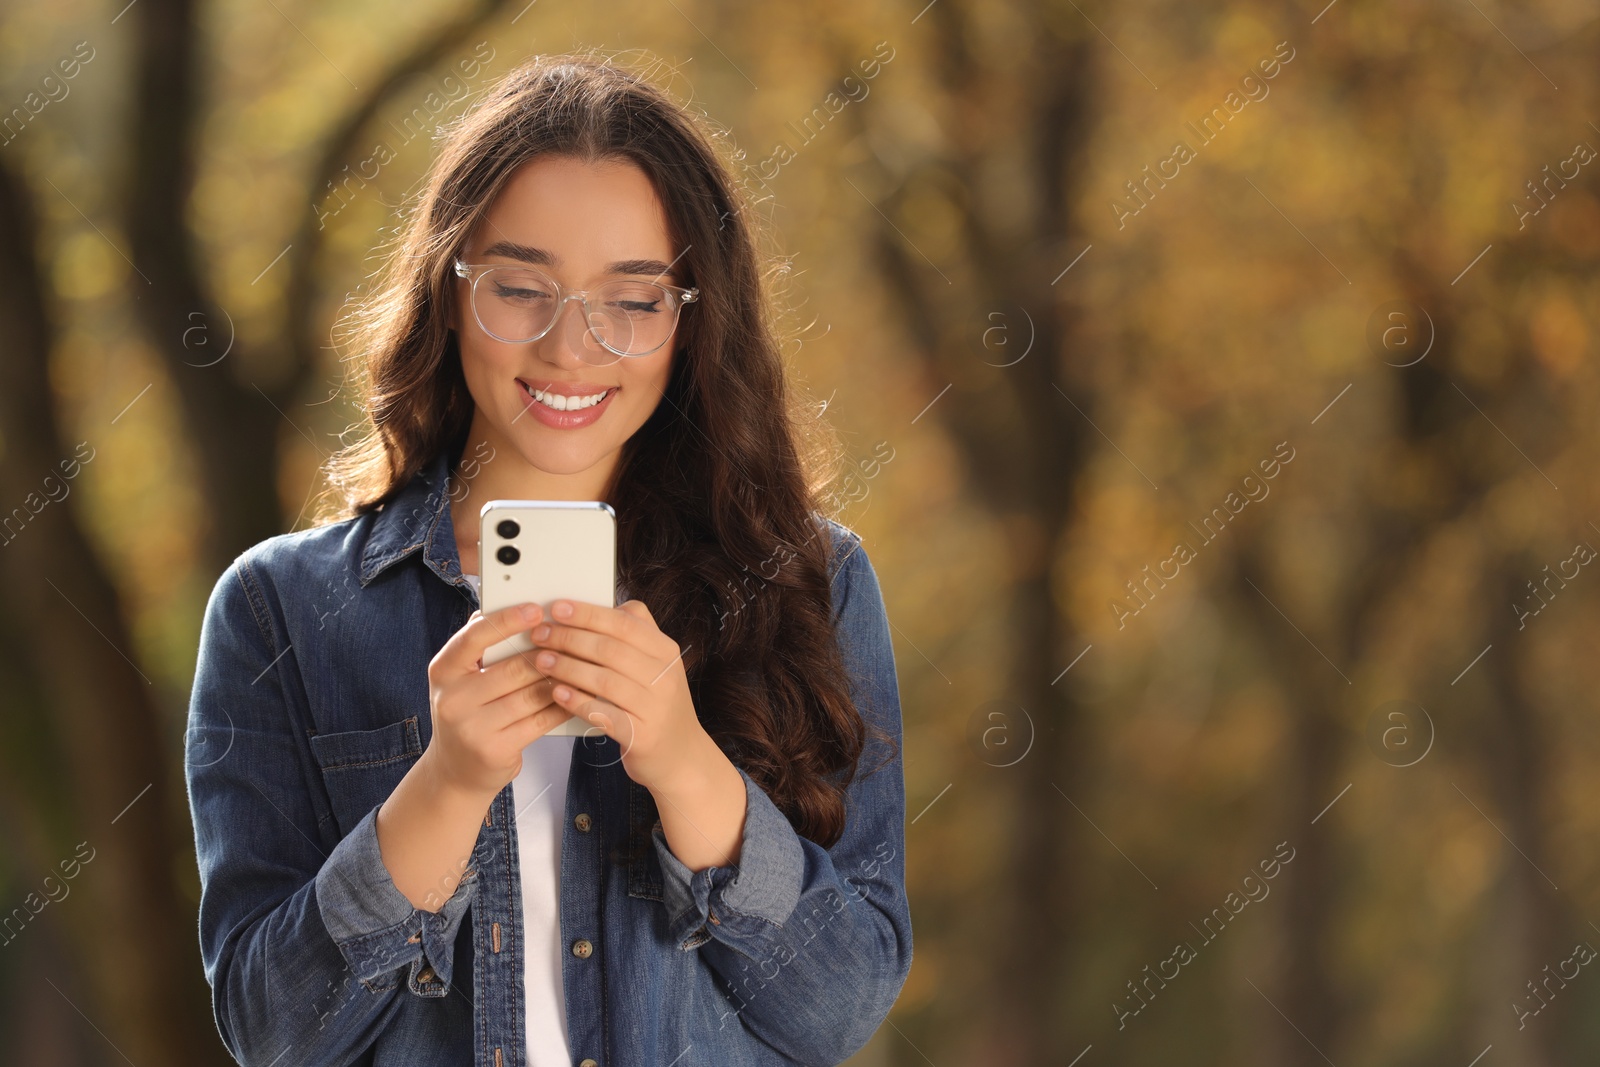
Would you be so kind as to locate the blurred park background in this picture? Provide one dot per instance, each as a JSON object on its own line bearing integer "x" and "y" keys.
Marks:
{"x": 1308, "y": 289}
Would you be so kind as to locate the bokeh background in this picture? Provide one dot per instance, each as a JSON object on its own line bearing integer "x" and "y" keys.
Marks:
{"x": 1341, "y": 347}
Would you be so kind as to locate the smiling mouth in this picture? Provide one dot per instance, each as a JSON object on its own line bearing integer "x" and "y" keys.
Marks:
{"x": 562, "y": 402}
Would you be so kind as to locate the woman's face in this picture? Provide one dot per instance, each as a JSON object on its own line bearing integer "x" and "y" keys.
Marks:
{"x": 583, "y": 224}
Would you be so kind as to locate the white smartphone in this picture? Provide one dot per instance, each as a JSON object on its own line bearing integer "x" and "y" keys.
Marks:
{"x": 537, "y": 551}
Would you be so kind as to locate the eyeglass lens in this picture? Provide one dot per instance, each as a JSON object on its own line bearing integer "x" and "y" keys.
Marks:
{"x": 630, "y": 317}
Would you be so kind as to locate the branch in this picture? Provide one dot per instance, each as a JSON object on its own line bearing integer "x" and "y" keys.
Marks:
{"x": 339, "y": 145}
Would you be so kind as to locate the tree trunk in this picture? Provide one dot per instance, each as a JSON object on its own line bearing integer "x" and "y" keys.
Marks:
{"x": 133, "y": 927}
{"x": 1025, "y": 448}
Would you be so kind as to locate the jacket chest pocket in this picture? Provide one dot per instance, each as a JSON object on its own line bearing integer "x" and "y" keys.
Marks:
{"x": 360, "y": 768}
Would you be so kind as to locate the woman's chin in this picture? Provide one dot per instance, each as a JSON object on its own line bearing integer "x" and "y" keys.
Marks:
{"x": 559, "y": 461}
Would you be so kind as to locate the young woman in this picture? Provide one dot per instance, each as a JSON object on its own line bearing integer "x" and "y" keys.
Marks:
{"x": 397, "y": 865}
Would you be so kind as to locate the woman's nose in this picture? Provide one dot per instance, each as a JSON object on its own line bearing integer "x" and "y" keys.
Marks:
{"x": 571, "y": 341}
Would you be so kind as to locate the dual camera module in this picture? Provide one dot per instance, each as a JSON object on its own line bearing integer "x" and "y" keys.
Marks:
{"x": 508, "y": 529}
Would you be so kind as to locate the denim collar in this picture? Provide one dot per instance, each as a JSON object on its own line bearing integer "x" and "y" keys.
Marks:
{"x": 417, "y": 517}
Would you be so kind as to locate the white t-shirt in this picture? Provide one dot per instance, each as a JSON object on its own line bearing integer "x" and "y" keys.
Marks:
{"x": 540, "y": 795}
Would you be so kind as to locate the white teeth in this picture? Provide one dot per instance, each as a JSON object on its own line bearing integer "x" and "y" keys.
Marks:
{"x": 565, "y": 403}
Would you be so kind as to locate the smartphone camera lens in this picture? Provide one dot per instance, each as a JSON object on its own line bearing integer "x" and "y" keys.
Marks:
{"x": 507, "y": 528}
{"x": 507, "y": 554}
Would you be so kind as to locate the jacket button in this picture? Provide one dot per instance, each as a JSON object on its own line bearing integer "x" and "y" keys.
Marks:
{"x": 587, "y": 1062}
{"x": 582, "y": 821}
{"x": 425, "y": 975}
{"x": 582, "y": 949}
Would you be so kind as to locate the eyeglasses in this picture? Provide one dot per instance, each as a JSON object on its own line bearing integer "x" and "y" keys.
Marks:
{"x": 627, "y": 317}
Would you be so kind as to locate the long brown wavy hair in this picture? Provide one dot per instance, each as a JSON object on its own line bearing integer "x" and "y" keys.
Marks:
{"x": 713, "y": 488}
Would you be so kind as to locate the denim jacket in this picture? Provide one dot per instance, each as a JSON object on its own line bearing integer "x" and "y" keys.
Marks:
{"x": 310, "y": 703}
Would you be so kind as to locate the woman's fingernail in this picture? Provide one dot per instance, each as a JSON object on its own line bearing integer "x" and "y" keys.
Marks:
{"x": 563, "y": 693}
{"x": 547, "y": 659}
{"x": 541, "y": 633}
{"x": 531, "y": 612}
{"x": 562, "y": 609}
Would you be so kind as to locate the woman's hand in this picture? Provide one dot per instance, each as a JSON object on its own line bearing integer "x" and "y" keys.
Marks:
{"x": 618, "y": 671}
{"x": 484, "y": 718}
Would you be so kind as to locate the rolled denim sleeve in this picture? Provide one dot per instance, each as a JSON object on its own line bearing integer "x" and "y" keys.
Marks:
{"x": 814, "y": 943}
{"x": 370, "y": 919}
{"x": 303, "y": 943}
{"x": 765, "y": 884}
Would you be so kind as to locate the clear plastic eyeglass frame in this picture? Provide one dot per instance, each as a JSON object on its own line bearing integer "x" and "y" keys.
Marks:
{"x": 674, "y": 296}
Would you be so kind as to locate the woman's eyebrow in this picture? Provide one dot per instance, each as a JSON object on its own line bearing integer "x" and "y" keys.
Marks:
{"x": 544, "y": 258}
